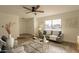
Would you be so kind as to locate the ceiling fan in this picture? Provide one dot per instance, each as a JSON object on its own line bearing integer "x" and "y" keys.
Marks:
{"x": 33, "y": 9}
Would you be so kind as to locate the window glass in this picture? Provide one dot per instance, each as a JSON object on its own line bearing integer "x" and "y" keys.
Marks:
{"x": 53, "y": 24}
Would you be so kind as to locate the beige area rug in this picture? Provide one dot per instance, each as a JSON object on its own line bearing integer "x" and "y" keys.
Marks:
{"x": 35, "y": 46}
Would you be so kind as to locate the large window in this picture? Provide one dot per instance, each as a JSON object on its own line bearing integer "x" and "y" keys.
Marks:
{"x": 53, "y": 24}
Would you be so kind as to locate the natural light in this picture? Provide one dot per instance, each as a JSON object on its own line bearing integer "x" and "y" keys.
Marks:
{"x": 53, "y": 24}
{"x": 57, "y": 21}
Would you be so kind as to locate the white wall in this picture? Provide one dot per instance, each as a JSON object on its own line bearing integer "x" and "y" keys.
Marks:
{"x": 27, "y": 26}
{"x": 6, "y": 18}
{"x": 70, "y": 26}
{"x": 70, "y": 21}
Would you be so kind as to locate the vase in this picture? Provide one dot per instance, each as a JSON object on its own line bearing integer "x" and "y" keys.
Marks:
{"x": 10, "y": 41}
{"x": 45, "y": 40}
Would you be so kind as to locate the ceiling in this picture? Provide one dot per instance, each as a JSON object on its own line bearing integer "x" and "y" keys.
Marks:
{"x": 48, "y": 10}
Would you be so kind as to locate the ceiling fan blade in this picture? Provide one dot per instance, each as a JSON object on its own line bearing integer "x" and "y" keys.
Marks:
{"x": 40, "y": 11}
{"x": 37, "y": 6}
{"x": 28, "y": 12}
{"x": 26, "y": 8}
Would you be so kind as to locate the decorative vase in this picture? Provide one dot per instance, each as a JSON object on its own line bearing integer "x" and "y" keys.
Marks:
{"x": 45, "y": 40}
{"x": 10, "y": 41}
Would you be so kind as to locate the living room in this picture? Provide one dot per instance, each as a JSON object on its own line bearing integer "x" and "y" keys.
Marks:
{"x": 25, "y": 27}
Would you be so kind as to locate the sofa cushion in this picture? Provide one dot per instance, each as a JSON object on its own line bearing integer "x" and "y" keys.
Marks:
{"x": 52, "y": 37}
{"x": 55, "y": 33}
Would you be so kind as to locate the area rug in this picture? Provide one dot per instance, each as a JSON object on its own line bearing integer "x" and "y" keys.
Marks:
{"x": 35, "y": 46}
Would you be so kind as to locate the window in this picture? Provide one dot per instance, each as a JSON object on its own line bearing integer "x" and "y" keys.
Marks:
{"x": 48, "y": 24}
{"x": 53, "y": 24}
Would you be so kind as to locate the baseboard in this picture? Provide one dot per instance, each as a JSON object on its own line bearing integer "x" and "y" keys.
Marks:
{"x": 70, "y": 43}
{"x": 26, "y": 34}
